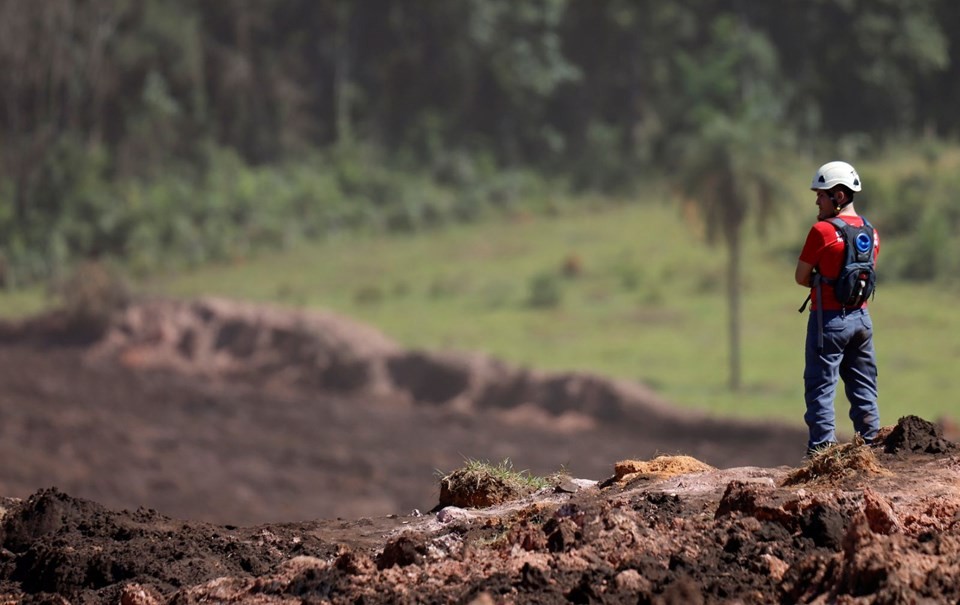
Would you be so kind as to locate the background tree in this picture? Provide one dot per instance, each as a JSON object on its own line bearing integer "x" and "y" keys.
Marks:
{"x": 861, "y": 67}
{"x": 53, "y": 80}
{"x": 616, "y": 118}
{"x": 99, "y": 98}
{"x": 731, "y": 127}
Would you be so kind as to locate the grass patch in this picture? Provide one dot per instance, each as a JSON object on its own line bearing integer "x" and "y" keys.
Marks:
{"x": 479, "y": 484}
{"x": 15, "y": 304}
{"x": 645, "y": 303}
{"x": 834, "y": 464}
{"x": 468, "y": 288}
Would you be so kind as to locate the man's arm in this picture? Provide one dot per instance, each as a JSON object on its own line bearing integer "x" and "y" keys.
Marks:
{"x": 804, "y": 274}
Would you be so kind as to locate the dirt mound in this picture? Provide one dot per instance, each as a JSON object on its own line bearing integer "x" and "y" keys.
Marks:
{"x": 911, "y": 435}
{"x": 838, "y": 463}
{"x": 916, "y": 435}
{"x": 239, "y": 414}
{"x": 660, "y": 467}
{"x": 231, "y": 412}
{"x": 216, "y": 338}
{"x": 737, "y": 535}
{"x": 57, "y": 544}
{"x": 478, "y": 485}
{"x": 296, "y": 349}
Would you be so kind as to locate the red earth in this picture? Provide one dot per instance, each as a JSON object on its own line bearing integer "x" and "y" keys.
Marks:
{"x": 213, "y": 450}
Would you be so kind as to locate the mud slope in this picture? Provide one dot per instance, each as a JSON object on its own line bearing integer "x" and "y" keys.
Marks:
{"x": 855, "y": 525}
{"x": 226, "y": 412}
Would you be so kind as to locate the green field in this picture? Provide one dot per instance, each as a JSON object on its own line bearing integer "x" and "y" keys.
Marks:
{"x": 647, "y": 304}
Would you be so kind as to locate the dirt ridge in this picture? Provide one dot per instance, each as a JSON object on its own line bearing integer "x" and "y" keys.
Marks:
{"x": 235, "y": 412}
{"x": 736, "y": 535}
{"x": 296, "y": 349}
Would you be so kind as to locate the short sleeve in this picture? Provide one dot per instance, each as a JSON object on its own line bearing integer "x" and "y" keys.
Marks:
{"x": 813, "y": 246}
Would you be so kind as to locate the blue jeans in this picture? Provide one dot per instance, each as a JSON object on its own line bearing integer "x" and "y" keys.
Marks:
{"x": 848, "y": 354}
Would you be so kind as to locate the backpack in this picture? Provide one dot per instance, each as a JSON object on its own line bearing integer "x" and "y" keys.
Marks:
{"x": 858, "y": 279}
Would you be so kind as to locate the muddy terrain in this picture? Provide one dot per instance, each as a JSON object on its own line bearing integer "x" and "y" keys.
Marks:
{"x": 226, "y": 412}
{"x": 210, "y": 451}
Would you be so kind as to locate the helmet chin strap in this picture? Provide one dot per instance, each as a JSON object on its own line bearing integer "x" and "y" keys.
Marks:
{"x": 838, "y": 207}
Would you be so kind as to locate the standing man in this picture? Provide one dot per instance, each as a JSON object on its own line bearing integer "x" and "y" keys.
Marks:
{"x": 839, "y": 338}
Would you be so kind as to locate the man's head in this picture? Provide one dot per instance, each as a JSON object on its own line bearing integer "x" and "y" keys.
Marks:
{"x": 835, "y": 184}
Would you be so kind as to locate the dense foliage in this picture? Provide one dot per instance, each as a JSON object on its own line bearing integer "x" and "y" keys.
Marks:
{"x": 184, "y": 130}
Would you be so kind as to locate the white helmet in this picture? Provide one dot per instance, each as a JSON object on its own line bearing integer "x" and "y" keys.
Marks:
{"x": 832, "y": 174}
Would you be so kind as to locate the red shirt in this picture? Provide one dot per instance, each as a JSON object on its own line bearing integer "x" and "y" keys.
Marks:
{"x": 824, "y": 250}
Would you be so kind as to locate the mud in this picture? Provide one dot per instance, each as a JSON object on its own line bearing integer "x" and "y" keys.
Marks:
{"x": 914, "y": 434}
{"x": 262, "y": 459}
{"x": 719, "y": 536}
{"x": 234, "y": 413}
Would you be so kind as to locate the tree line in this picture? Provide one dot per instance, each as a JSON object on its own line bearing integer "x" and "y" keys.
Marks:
{"x": 144, "y": 126}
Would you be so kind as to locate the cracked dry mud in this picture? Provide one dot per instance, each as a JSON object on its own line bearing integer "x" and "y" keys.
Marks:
{"x": 859, "y": 524}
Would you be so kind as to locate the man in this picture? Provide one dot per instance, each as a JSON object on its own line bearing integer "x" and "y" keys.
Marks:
{"x": 842, "y": 345}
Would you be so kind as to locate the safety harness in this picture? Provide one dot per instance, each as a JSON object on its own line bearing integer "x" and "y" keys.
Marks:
{"x": 857, "y": 280}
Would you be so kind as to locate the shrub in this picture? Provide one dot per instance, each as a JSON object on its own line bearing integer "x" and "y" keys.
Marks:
{"x": 368, "y": 295}
{"x": 545, "y": 291}
{"x": 91, "y": 294}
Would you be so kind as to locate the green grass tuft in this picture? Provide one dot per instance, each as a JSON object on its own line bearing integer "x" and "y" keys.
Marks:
{"x": 505, "y": 472}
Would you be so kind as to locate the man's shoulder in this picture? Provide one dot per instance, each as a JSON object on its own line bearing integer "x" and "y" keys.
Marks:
{"x": 836, "y": 223}
{"x": 825, "y": 227}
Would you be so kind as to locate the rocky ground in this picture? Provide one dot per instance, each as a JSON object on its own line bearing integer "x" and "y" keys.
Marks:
{"x": 299, "y": 446}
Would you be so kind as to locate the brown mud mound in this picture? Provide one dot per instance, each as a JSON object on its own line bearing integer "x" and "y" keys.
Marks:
{"x": 660, "y": 467}
{"x": 736, "y": 535}
{"x": 237, "y": 413}
{"x": 214, "y": 338}
{"x": 478, "y": 485}
{"x": 56, "y": 544}
{"x": 916, "y": 435}
{"x": 294, "y": 349}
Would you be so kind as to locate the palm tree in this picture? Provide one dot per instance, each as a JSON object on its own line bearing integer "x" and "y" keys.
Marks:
{"x": 726, "y": 179}
{"x": 723, "y": 158}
